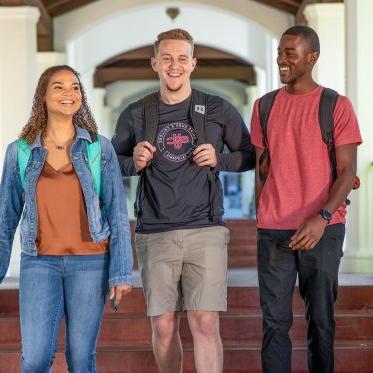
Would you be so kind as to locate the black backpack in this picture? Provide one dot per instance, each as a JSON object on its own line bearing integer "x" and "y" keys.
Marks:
{"x": 327, "y": 104}
{"x": 198, "y": 115}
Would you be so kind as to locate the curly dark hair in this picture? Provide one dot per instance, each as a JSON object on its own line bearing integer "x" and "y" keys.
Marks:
{"x": 38, "y": 119}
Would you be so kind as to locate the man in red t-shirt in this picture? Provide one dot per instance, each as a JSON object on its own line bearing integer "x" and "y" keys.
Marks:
{"x": 300, "y": 209}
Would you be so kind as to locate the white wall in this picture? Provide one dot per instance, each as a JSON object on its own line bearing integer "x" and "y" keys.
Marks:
{"x": 70, "y": 25}
{"x": 126, "y": 32}
{"x": 329, "y": 22}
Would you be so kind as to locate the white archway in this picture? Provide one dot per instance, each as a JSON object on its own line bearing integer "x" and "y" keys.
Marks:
{"x": 87, "y": 46}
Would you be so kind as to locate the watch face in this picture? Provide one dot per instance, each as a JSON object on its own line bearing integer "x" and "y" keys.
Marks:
{"x": 326, "y": 214}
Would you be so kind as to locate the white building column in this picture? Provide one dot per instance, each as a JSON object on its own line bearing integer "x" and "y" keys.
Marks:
{"x": 49, "y": 59}
{"x": 98, "y": 110}
{"x": 18, "y": 71}
{"x": 329, "y": 22}
{"x": 359, "y": 62}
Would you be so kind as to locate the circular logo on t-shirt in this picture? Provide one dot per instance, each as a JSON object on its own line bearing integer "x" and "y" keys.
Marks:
{"x": 176, "y": 141}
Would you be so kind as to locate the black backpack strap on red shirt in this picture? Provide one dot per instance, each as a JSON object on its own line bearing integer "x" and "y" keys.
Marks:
{"x": 265, "y": 107}
{"x": 328, "y": 100}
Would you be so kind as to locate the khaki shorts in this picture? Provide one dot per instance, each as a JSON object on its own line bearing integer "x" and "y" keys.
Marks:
{"x": 184, "y": 269}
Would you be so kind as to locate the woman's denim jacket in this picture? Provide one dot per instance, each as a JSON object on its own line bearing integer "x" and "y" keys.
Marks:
{"x": 111, "y": 222}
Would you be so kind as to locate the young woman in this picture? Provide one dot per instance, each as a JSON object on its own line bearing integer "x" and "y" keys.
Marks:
{"x": 75, "y": 238}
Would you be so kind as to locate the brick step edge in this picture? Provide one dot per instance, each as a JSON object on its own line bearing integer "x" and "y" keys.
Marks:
{"x": 230, "y": 314}
{"x": 233, "y": 346}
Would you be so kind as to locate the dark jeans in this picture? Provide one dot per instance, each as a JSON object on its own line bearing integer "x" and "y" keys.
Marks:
{"x": 278, "y": 266}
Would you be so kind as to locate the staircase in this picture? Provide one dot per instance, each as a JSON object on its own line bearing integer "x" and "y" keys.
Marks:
{"x": 125, "y": 339}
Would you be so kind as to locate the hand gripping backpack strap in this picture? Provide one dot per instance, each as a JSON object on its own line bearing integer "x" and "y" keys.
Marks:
{"x": 23, "y": 156}
{"x": 94, "y": 161}
{"x": 151, "y": 119}
{"x": 328, "y": 100}
{"x": 265, "y": 107}
{"x": 198, "y": 115}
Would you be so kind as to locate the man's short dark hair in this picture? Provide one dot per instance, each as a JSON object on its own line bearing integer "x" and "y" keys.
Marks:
{"x": 307, "y": 33}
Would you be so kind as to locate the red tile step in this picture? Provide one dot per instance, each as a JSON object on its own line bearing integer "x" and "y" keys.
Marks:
{"x": 240, "y": 299}
{"x": 349, "y": 358}
{"x": 130, "y": 351}
{"x": 135, "y": 331}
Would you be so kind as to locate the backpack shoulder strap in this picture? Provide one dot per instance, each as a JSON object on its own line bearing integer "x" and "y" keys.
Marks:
{"x": 94, "y": 160}
{"x": 198, "y": 114}
{"x": 151, "y": 116}
{"x": 23, "y": 156}
{"x": 265, "y": 107}
{"x": 328, "y": 100}
{"x": 150, "y": 109}
{"x": 327, "y": 104}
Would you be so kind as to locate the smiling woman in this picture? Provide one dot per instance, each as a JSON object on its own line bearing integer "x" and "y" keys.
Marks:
{"x": 66, "y": 234}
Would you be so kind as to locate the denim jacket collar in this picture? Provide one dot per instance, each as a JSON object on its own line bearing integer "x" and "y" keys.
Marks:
{"x": 81, "y": 133}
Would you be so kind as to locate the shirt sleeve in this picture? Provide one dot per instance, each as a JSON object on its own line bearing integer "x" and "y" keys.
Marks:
{"x": 236, "y": 137}
{"x": 346, "y": 127}
{"x": 124, "y": 141}
{"x": 255, "y": 128}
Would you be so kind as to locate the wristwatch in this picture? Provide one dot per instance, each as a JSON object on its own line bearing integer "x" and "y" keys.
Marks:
{"x": 325, "y": 214}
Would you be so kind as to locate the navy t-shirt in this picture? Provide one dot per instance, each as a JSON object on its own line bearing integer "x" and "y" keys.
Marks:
{"x": 176, "y": 190}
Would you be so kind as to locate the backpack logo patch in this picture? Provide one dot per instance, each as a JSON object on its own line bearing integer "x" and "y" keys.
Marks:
{"x": 200, "y": 109}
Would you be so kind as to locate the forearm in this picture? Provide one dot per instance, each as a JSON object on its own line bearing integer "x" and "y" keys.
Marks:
{"x": 258, "y": 187}
{"x": 11, "y": 206}
{"x": 237, "y": 161}
{"x": 259, "y": 183}
{"x": 114, "y": 198}
{"x": 6, "y": 243}
{"x": 340, "y": 190}
{"x": 127, "y": 165}
{"x": 121, "y": 260}
{"x": 346, "y": 156}
{"x": 124, "y": 141}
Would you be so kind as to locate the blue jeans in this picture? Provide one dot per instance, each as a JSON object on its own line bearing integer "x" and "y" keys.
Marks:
{"x": 52, "y": 286}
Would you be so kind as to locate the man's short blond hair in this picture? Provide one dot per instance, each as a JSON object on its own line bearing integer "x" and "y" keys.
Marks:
{"x": 174, "y": 34}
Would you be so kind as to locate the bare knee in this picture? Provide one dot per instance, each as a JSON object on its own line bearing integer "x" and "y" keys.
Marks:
{"x": 204, "y": 323}
{"x": 165, "y": 327}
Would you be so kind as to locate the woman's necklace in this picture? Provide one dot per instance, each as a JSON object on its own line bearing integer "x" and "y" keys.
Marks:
{"x": 60, "y": 147}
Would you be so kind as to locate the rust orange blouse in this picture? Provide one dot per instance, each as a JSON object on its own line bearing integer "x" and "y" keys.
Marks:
{"x": 62, "y": 216}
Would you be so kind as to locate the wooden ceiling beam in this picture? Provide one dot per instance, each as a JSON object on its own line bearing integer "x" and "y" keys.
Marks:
{"x": 289, "y": 6}
{"x": 105, "y": 76}
{"x": 144, "y": 53}
{"x": 58, "y": 7}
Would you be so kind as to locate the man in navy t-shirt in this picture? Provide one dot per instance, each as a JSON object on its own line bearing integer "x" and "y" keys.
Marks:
{"x": 181, "y": 241}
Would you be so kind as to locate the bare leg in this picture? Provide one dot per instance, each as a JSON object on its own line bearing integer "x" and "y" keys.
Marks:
{"x": 166, "y": 342}
{"x": 208, "y": 348}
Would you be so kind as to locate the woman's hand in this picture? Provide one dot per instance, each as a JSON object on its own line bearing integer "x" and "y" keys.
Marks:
{"x": 119, "y": 291}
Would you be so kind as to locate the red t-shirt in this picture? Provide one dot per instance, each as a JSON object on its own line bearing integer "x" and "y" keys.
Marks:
{"x": 299, "y": 179}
